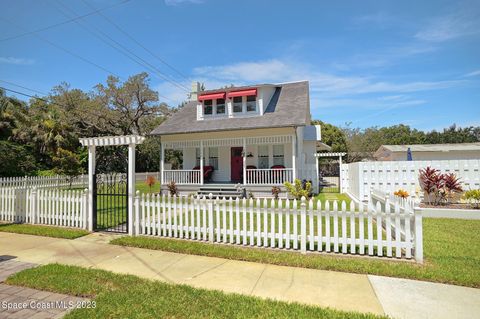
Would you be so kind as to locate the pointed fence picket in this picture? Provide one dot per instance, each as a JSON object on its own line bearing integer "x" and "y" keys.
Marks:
{"x": 44, "y": 206}
{"x": 283, "y": 224}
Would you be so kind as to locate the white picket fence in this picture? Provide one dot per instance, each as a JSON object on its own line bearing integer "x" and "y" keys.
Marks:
{"x": 284, "y": 224}
{"x": 44, "y": 207}
{"x": 42, "y": 181}
{"x": 358, "y": 179}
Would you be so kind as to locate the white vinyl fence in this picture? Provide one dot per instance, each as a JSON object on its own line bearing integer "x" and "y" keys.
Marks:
{"x": 44, "y": 207}
{"x": 359, "y": 179}
{"x": 42, "y": 181}
{"x": 284, "y": 224}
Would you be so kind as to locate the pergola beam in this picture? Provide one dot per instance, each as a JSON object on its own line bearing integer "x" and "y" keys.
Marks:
{"x": 112, "y": 140}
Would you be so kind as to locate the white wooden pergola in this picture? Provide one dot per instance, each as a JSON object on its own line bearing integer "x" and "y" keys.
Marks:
{"x": 92, "y": 143}
{"x": 331, "y": 154}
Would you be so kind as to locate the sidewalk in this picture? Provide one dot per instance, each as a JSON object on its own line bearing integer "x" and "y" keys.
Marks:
{"x": 351, "y": 292}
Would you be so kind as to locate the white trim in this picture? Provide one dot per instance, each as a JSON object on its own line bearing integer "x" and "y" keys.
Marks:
{"x": 334, "y": 154}
{"x": 277, "y": 139}
{"x": 112, "y": 140}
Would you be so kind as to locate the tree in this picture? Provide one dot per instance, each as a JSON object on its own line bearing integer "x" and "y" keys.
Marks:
{"x": 68, "y": 164}
{"x": 16, "y": 160}
{"x": 129, "y": 102}
{"x": 333, "y": 136}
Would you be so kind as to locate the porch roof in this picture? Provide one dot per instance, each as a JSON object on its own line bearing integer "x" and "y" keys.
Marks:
{"x": 289, "y": 106}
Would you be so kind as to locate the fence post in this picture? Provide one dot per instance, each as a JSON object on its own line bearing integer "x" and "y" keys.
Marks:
{"x": 137, "y": 213}
{"x": 33, "y": 205}
{"x": 85, "y": 208}
{"x": 210, "y": 217}
{"x": 418, "y": 235}
{"x": 303, "y": 226}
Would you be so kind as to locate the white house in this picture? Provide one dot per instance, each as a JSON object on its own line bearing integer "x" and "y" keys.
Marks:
{"x": 426, "y": 152}
{"x": 258, "y": 136}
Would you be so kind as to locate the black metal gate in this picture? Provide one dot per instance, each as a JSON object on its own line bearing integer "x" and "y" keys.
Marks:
{"x": 329, "y": 171}
{"x": 111, "y": 191}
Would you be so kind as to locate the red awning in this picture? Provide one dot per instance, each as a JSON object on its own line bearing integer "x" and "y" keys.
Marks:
{"x": 212, "y": 96}
{"x": 242, "y": 93}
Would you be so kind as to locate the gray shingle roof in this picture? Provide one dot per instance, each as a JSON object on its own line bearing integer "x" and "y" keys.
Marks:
{"x": 433, "y": 147}
{"x": 289, "y": 106}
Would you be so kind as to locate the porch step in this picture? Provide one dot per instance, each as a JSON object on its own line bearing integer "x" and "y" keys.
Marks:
{"x": 220, "y": 191}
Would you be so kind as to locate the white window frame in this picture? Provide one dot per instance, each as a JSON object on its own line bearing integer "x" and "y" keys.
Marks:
{"x": 278, "y": 156}
{"x": 256, "y": 105}
{"x": 213, "y": 160}
{"x": 263, "y": 156}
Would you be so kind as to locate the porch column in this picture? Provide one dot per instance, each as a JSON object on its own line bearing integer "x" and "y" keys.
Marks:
{"x": 131, "y": 186}
{"x": 294, "y": 157}
{"x": 201, "y": 162}
{"x": 244, "y": 158}
{"x": 162, "y": 162}
{"x": 339, "y": 173}
{"x": 91, "y": 181}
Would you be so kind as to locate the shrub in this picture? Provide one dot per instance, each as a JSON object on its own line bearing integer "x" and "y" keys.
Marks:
{"x": 150, "y": 181}
{"x": 401, "y": 193}
{"x": 473, "y": 197}
{"x": 276, "y": 191}
{"x": 298, "y": 190}
{"x": 67, "y": 163}
{"x": 439, "y": 187}
{"x": 172, "y": 188}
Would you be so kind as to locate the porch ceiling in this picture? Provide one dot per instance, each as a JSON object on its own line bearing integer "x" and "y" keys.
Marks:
{"x": 279, "y": 139}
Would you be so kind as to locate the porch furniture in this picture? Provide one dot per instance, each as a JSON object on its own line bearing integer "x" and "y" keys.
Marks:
{"x": 207, "y": 172}
{"x": 277, "y": 174}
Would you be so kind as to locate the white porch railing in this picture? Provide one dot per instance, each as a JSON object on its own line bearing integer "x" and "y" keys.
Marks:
{"x": 269, "y": 176}
{"x": 185, "y": 176}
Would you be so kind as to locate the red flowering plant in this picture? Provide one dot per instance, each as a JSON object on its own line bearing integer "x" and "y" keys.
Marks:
{"x": 439, "y": 187}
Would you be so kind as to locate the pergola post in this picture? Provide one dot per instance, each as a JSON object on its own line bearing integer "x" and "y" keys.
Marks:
{"x": 162, "y": 162}
{"x": 131, "y": 186}
{"x": 294, "y": 158}
{"x": 201, "y": 162}
{"x": 91, "y": 181}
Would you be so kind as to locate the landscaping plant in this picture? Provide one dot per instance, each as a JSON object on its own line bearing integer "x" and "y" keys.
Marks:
{"x": 150, "y": 181}
{"x": 299, "y": 189}
{"x": 473, "y": 197}
{"x": 439, "y": 187}
{"x": 172, "y": 188}
{"x": 401, "y": 193}
{"x": 276, "y": 191}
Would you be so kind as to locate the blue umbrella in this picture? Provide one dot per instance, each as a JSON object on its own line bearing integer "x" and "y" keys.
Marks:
{"x": 409, "y": 155}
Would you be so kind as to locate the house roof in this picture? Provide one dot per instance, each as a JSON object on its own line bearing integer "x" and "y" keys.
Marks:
{"x": 289, "y": 106}
{"x": 431, "y": 147}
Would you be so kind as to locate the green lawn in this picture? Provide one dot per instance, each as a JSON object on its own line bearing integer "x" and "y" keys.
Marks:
{"x": 451, "y": 248}
{"x": 127, "y": 296}
{"x": 48, "y": 231}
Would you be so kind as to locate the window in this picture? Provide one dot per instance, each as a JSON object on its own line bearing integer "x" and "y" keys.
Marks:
{"x": 237, "y": 104}
{"x": 251, "y": 103}
{"x": 278, "y": 155}
{"x": 197, "y": 157}
{"x": 213, "y": 157}
{"x": 220, "y": 106}
{"x": 262, "y": 156}
{"x": 207, "y": 107}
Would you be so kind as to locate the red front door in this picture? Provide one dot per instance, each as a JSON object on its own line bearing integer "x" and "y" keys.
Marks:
{"x": 236, "y": 164}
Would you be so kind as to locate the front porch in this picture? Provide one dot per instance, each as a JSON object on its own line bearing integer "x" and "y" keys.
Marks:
{"x": 250, "y": 161}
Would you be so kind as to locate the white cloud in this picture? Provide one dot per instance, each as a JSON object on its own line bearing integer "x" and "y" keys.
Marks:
{"x": 277, "y": 71}
{"x": 459, "y": 24}
{"x": 473, "y": 73}
{"x": 16, "y": 61}
{"x": 327, "y": 90}
{"x": 178, "y": 2}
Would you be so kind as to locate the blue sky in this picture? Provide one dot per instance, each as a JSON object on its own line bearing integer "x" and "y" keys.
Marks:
{"x": 368, "y": 62}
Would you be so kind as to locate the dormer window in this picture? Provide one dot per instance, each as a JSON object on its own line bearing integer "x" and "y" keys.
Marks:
{"x": 220, "y": 106}
{"x": 208, "y": 107}
{"x": 251, "y": 103}
{"x": 237, "y": 104}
